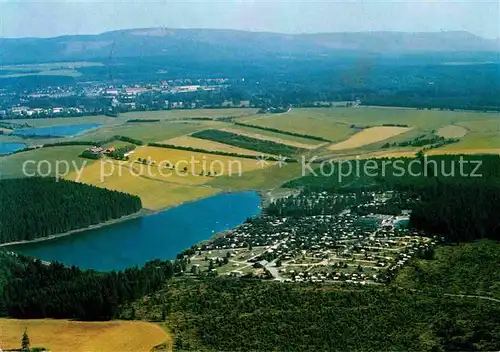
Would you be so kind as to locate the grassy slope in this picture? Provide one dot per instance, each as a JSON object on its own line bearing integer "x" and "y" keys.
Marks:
{"x": 11, "y": 165}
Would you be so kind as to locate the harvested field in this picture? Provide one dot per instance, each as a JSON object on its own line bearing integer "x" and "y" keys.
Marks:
{"x": 217, "y": 162}
{"x": 369, "y": 136}
{"x": 156, "y": 193}
{"x": 164, "y": 182}
{"x": 451, "y": 131}
{"x": 65, "y": 335}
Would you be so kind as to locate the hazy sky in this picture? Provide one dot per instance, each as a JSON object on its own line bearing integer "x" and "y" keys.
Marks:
{"x": 52, "y": 18}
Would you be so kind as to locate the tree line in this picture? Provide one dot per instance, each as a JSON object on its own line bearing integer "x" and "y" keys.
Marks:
{"x": 37, "y": 290}
{"x": 302, "y": 135}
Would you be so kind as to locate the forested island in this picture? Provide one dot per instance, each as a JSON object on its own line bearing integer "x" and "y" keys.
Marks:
{"x": 34, "y": 208}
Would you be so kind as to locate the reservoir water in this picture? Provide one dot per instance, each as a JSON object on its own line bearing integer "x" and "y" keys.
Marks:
{"x": 57, "y": 131}
{"x": 10, "y": 147}
{"x": 158, "y": 236}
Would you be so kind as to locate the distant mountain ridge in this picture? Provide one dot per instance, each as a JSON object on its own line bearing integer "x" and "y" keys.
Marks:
{"x": 222, "y": 43}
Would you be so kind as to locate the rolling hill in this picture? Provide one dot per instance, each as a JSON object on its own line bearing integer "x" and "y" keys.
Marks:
{"x": 220, "y": 43}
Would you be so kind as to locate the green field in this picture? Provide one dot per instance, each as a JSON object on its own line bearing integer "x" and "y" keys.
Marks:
{"x": 315, "y": 122}
{"x": 335, "y": 124}
{"x": 12, "y": 165}
{"x": 47, "y": 69}
{"x": 146, "y": 132}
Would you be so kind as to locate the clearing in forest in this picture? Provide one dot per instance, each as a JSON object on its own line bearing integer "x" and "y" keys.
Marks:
{"x": 369, "y": 136}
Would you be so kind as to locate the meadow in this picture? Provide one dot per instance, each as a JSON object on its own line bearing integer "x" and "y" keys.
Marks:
{"x": 66, "y": 335}
{"x": 46, "y": 69}
{"x": 314, "y": 122}
{"x": 147, "y": 132}
{"x": 451, "y": 131}
{"x": 12, "y": 165}
{"x": 335, "y": 123}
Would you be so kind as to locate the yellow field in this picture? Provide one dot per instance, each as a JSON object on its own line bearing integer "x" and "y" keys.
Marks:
{"x": 451, "y": 131}
{"x": 154, "y": 193}
{"x": 188, "y": 141}
{"x": 264, "y": 137}
{"x": 369, "y": 136}
{"x": 219, "y": 164}
{"x": 164, "y": 182}
{"x": 64, "y": 335}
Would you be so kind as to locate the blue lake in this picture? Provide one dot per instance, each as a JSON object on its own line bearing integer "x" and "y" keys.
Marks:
{"x": 57, "y": 131}
{"x": 10, "y": 147}
{"x": 159, "y": 236}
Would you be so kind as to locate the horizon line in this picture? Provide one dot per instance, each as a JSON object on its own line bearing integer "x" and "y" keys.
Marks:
{"x": 250, "y": 31}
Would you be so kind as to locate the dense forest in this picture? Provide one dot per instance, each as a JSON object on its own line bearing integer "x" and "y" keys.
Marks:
{"x": 425, "y": 80}
{"x": 32, "y": 289}
{"x": 242, "y": 141}
{"x": 39, "y": 207}
{"x": 311, "y": 204}
{"x": 459, "y": 212}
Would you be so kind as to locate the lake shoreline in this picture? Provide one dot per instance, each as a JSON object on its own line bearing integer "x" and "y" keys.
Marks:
{"x": 141, "y": 213}
{"x": 128, "y": 244}
{"x": 136, "y": 215}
